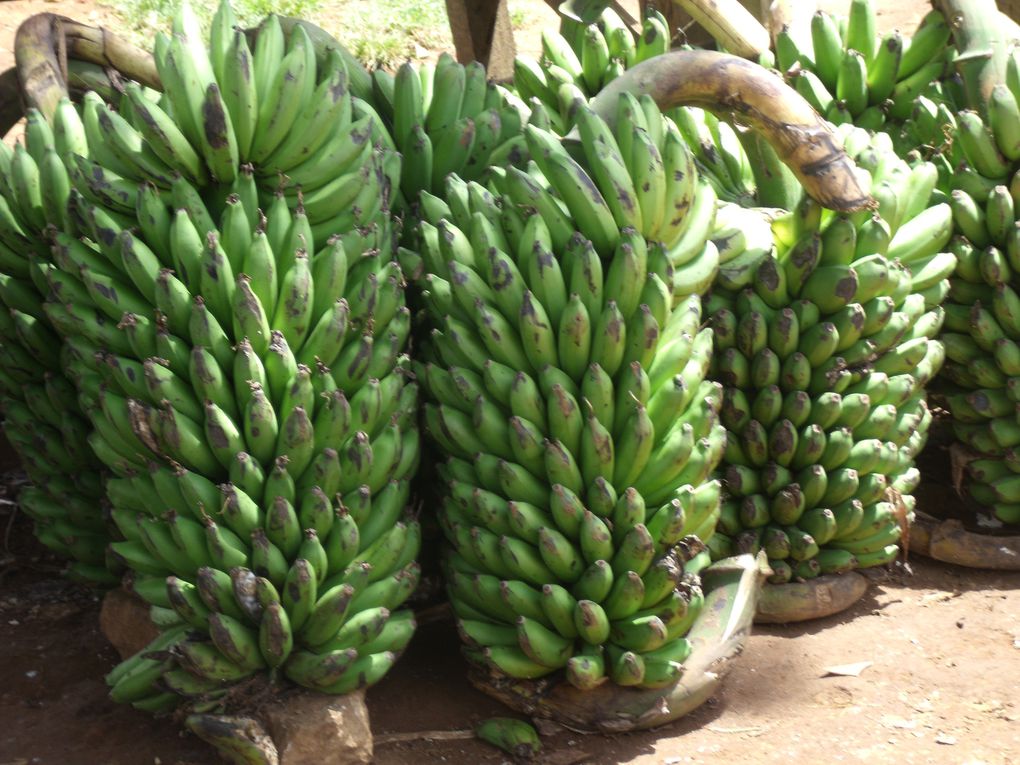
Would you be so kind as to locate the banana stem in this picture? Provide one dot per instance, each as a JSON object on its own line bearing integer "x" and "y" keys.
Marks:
{"x": 732, "y": 587}
{"x": 40, "y": 55}
{"x": 240, "y": 740}
{"x": 756, "y": 97}
{"x": 98, "y": 45}
{"x": 730, "y": 24}
{"x": 44, "y": 43}
{"x": 980, "y": 37}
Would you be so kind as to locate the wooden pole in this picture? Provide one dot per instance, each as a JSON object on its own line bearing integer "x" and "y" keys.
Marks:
{"x": 481, "y": 32}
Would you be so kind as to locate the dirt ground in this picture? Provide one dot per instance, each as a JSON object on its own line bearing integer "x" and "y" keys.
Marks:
{"x": 943, "y": 645}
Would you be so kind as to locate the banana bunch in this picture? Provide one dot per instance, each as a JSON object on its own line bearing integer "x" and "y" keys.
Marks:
{"x": 42, "y": 419}
{"x": 261, "y": 431}
{"x": 567, "y": 381}
{"x": 824, "y": 348}
{"x": 582, "y": 58}
{"x": 283, "y": 106}
{"x": 851, "y": 74}
{"x": 262, "y": 435}
{"x": 239, "y": 359}
{"x": 981, "y": 327}
{"x": 445, "y": 118}
{"x": 642, "y": 177}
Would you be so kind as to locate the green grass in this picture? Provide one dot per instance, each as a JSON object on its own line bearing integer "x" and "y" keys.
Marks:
{"x": 379, "y": 32}
{"x": 518, "y": 16}
{"x": 143, "y": 18}
{"x": 389, "y": 32}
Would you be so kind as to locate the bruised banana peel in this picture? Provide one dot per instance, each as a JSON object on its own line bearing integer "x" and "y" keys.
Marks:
{"x": 756, "y": 97}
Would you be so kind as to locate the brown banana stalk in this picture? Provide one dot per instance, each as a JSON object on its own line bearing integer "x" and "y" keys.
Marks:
{"x": 41, "y": 59}
{"x": 756, "y": 97}
{"x": 44, "y": 43}
{"x": 239, "y": 740}
{"x": 98, "y": 45}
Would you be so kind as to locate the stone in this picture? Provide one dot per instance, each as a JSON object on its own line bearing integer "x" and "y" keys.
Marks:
{"x": 317, "y": 729}
{"x": 124, "y": 620}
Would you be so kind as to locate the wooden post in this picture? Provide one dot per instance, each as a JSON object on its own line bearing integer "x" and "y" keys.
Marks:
{"x": 481, "y": 32}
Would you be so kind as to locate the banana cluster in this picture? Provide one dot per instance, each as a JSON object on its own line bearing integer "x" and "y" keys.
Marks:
{"x": 567, "y": 381}
{"x": 851, "y": 74}
{"x": 445, "y": 118}
{"x": 286, "y": 109}
{"x": 719, "y": 153}
{"x": 642, "y": 177}
{"x": 266, "y": 432}
{"x": 237, "y": 348}
{"x": 824, "y": 353}
{"x": 581, "y": 59}
{"x": 42, "y": 418}
{"x": 982, "y": 329}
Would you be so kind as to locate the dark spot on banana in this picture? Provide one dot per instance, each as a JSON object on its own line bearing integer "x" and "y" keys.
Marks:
{"x": 107, "y": 292}
{"x": 846, "y": 287}
{"x": 214, "y": 119}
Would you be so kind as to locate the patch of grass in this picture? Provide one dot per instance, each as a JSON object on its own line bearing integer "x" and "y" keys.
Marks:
{"x": 388, "y": 32}
{"x": 142, "y": 19}
{"x": 519, "y": 16}
{"x": 379, "y": 32}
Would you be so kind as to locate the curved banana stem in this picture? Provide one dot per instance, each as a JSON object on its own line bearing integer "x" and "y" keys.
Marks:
{"x": 755, "y": 96}
{"x": 98, "y": 45}
{"x": 41, "y": 59}
{"x": 947, "y": 540}
{"x": 240, "y": 740}
{"x": 818, "y": 598}
{"x": 730, "y": 24}
{"x": 43, "y": 44}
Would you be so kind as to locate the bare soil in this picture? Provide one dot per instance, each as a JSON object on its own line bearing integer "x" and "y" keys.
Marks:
{"x": 943, "y": 645}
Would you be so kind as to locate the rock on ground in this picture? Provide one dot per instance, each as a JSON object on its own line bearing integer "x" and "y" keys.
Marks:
{"x": 124, "y": 619}
{"x": 315, "y": 729}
